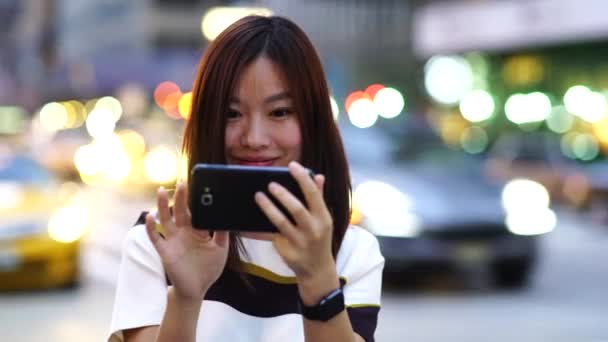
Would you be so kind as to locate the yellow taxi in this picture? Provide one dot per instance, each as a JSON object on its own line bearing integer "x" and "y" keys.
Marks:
{"x": 41, "y": 225}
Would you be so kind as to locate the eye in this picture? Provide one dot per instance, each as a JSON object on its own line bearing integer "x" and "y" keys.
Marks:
{"x": 232, "y": 114}
{"x": 281, "y": 112}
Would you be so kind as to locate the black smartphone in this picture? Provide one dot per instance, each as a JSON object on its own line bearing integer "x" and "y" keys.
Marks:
{"x": 222, "y": 196}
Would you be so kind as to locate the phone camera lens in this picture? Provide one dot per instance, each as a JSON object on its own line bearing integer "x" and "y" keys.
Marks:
{"x": 207, "y": 199}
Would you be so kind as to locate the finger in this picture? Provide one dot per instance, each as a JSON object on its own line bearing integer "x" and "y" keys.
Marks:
{"x": 291, "y": 203}
{"x": 314, "y": 198}
{"x": 276, "y": 217}
{"x": 202, "y": 234}
{"x": 221, "y": 238}
{"x": 162, "y": 203}
{"x": 320, "y": 181}
{"x": 180, "y": 206}
{"x": 153, "y": 234}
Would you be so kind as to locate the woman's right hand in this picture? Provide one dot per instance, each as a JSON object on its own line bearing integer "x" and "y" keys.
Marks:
{"x": 192, "y": 258}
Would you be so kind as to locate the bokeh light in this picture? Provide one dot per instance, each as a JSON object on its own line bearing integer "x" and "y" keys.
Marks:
{"x": 373, "y": 89}
{"x": 474, "y": 140}
{"x": 560, "y": 120}
{"x": 389, "y": 102}
{"x": 362, "y": 113}
{"x": 528, "y": 108}
{"x": 53, "y": 117}
{"x": 448, "y": 78}
{"x": 335, "y": 109}
{"x": 354, "y": 96}
{"x": 100, "y": 123}
{"x": 110, "y": 104}
{"x": 585, "y": 147}
{"x": 217, "y": 19}
{"x": 167, "y": 95}
{"x": 477, "y": 106}
{"x": 160, "y": 165}
{"x": 185, "y": 105}
{"x": 588, "y": 105}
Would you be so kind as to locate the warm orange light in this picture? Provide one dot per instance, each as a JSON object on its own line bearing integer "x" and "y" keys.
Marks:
{"x": 185, "y": 105}
{"x": 167, "y": 96}
{"x": 356, "y": 216}
{"x": 354, "y": 96}
{"x": 373, "y": 89}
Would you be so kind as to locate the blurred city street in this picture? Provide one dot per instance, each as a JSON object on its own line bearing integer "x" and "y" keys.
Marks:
{"x": 476, "y": 134}
{"x": 567, "y": 300}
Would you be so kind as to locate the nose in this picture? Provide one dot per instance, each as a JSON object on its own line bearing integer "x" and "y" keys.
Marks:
{"x": 255, "y": 135}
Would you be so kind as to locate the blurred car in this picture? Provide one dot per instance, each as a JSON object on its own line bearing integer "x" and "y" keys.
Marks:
{"x": 537, "y": 156}
{"x": 595, "y": 178}
{"x": 41, "y": 225}
{"x": 437, "y": 209}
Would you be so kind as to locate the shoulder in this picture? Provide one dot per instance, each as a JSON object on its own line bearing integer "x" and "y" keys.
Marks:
{"x": 359, "y": 249}
{"x": 137, "y": 244}
{"x": 358, "y": 240}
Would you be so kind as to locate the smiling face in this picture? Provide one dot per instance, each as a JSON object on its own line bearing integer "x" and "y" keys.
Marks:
{"x": 262, "y": 127}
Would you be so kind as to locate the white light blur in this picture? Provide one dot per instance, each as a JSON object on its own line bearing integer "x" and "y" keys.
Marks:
{"x": 362, "y": 113}
{"x": 448, "y": 78}
{"x": 68, "y": 224}
{"x": 526, "y": 204}
{"x": 522, "y": 194}
{"x": 100, "y": 123}
{"x": 560, "y": 120}
{"x": 12, "y": 194}
{"x": 389, "y": 103}
{"x": 477, "y": 106}
{"x": 588, "y": 105}
{"x": 110, "y": 104}
{"x": 161, "y": 165}
{"x": 386, "y": 210}
{"x": 105, "y": 157}
{"x": 533, "y": 107}
{"x": 53, "y": 117}
{"x": 85, "y": 160}
{"x": 540, "y": 221}
{"x": 217, "y": 19}
{"x": 335, "y": 109}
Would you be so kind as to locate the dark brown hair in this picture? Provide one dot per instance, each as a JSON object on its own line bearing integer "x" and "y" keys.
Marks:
{"x": 286, "y": 45}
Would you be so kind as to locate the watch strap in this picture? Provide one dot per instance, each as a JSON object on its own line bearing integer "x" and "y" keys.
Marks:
{"x": 327, "y": 308}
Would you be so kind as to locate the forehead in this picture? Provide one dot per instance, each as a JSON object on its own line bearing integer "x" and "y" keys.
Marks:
{"x": 261, "y": 78}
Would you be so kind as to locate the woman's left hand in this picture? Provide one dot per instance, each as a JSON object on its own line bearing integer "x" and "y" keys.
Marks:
{"x": 306, "y": 247}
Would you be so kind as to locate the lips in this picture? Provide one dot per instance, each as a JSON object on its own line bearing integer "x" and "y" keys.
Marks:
{"x": 256, "y": 161}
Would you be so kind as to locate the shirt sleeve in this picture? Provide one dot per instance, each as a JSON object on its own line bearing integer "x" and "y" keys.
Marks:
{"x": 363, "y": 273}
{"x": 141, "y": 290}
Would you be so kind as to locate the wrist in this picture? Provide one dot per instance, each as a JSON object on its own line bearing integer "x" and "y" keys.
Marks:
{"x": 318, "y": 285}
{"x": 185, "y": 302}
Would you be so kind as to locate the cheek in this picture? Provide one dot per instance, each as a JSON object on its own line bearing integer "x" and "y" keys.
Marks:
{"x": 291, "y": 139}
{"x": 230, "y": 137}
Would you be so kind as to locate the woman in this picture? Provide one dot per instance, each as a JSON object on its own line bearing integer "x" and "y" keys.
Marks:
{"x": 260, "y": 98}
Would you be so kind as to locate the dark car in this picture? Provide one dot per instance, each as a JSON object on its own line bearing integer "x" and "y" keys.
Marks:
{"x": 435, "y": 207}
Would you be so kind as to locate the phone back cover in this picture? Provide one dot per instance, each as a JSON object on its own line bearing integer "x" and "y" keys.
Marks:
{"x": 233, "y": 188}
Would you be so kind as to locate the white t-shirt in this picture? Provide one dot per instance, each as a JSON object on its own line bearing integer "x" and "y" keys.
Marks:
{"x": 231, "y": 312}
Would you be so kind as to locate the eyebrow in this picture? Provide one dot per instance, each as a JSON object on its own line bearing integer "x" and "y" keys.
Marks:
{"x": 272, "y": 98}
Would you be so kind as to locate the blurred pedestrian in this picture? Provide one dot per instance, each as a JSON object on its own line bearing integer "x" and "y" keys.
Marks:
{"x": 260, "y": 98}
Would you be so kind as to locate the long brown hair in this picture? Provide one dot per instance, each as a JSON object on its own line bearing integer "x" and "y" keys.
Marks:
{"x": 284, "y": 43}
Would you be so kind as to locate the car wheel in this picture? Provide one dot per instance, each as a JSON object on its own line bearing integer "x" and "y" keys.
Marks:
{"x": 512, "y": 273}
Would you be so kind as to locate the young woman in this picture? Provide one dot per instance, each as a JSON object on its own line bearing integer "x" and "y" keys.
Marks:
{"x": 260, "y": 98}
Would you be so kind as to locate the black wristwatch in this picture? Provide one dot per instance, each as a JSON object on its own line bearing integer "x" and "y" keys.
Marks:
{"x": 328, "y": 307}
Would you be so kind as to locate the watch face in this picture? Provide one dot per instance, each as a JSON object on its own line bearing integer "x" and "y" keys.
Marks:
{"x": 328, "y": 307}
